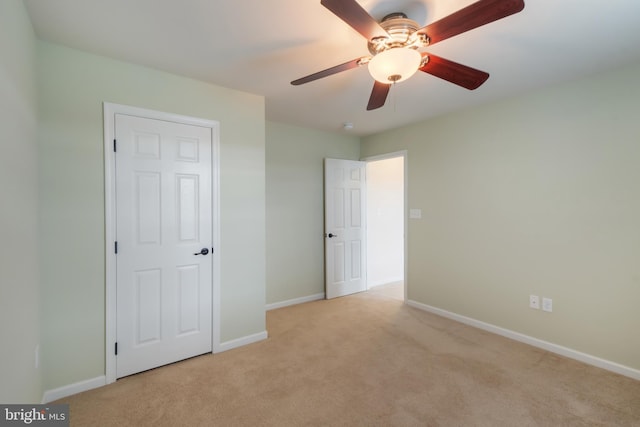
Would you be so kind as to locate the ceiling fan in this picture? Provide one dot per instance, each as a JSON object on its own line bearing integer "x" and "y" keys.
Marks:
{"x": 395, "y": 45}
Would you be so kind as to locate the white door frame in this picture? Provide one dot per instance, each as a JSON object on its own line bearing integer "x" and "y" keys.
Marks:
{"x": 404, "y": 155}
{"x": 110, "y": 110}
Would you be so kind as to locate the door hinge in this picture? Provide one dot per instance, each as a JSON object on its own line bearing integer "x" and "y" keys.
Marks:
{"x": 116, "y": 348}
{"x": 114, "y": 146}
{"x": 115, "y": 246}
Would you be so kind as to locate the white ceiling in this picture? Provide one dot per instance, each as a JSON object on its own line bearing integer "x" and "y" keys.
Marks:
{"x": 260, "y": 46}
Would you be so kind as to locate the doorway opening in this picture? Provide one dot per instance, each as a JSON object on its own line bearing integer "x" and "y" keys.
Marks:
{"x": 385, "y": 213}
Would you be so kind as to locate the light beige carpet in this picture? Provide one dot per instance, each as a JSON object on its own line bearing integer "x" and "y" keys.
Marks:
{"x": 367, "y": 360}
{"x": 393, "y": 290}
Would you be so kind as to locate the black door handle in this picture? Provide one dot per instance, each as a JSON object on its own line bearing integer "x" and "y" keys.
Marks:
{"x": 330, "y": 235}
{"x": 203, "y": 251}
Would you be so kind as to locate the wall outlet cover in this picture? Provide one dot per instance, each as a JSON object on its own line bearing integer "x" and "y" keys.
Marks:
{"x": 534, "y": 302}
{"x": 547, "y": 304}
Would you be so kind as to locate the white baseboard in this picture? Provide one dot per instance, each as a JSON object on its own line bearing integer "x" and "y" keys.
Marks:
{"x": 545, "y": 345}
{"x": 294, "y": 301}
{"x": 239, "y": 342}
{"x": 387, "y": 281}
{"x": 71, "y": 389}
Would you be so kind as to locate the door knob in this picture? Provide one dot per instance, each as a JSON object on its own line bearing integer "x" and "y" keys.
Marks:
{"x": 203, "y": 251}
{"x": 330, "y": 235}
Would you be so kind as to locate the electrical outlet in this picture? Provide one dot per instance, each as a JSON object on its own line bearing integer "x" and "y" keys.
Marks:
{"x": 534, "y": 302}
{"x": 547, "y": 304}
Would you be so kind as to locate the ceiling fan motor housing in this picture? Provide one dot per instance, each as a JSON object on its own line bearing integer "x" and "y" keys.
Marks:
{"x": 402, "y": 33}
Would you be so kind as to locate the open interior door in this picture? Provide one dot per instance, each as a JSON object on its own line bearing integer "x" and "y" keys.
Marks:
{"x": 345, "y": 246}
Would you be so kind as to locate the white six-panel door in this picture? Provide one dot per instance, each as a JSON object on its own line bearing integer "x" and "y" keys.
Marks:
{"x": 345, "y": 231}
{"x": 163, "y": 219}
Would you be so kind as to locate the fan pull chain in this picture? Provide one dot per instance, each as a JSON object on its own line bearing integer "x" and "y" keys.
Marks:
{"x": 395, "y": 98}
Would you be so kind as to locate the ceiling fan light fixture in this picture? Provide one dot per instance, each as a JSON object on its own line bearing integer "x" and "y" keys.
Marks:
{"x": 394, "y": 65}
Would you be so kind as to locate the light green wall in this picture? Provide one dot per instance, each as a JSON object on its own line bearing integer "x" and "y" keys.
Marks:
{"x": 295, "y": 212}
{"x": 19, "y": 293}
{"x": 539, "y": 195}
{"x": 72, "y": 87}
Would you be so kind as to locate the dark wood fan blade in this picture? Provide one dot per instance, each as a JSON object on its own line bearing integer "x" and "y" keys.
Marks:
{"x": 329, "y": 71}
{"x": 354, "y": 15}
{"x": 470, "y": 17}
{"x": 378, "y": 95}
{"x": 455, "y": 73}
